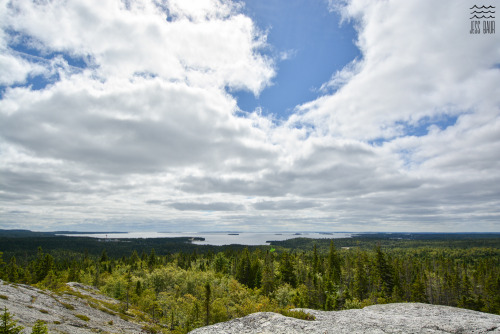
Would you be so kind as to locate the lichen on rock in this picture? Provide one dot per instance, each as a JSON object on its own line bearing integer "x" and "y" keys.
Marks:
{"x": 404, "y": 318}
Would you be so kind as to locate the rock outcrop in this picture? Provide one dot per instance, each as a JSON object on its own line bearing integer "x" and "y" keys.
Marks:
{"x": 79, "y": 309}
{"x": 404, "y": 318}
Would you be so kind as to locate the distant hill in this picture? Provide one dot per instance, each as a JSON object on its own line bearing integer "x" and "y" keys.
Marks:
{"x": 24, "y": 234}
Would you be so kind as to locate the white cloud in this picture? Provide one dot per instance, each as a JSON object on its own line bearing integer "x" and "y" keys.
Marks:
{"x": 418, "y": 60}
{"x": 147, "y": 128}
{"x": 207, "y": 44}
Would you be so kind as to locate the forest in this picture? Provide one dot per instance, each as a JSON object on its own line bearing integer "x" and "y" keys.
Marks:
{"x": 180, "y": 286}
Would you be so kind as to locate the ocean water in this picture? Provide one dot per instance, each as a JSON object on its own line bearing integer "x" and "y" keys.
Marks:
{"x": 221, "y": 238}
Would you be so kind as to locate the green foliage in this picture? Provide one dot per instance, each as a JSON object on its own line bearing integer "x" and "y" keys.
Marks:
{"x": 334, "y": 273}
{"x": 248, "y": 270}
{"x": 43, "y": 265}
{"x": 8, "y": 325}
{"x": 82, "y": 317}
{"x": 68, "y": 306}
{"x": 208, "y": 294}
{"x": 268, "y": 282}
{"x": 287, "y": 269}
{"x": 298, "y": 314}
{"x": 39, "y": 328}
{"x": 180, "y": 290}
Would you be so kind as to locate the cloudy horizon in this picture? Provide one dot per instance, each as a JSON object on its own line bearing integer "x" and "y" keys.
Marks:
{"x": 173, "y": 115}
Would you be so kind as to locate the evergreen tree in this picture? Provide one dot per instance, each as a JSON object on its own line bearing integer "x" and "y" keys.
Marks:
{"x": 74, "y": 272}
{"x": 43, "y": 264}
{"x": 39, "y": 328}
{"x": 97, "y": 276}
{"x": 134, "y": 258}
{"x": 268, "y": 274}
{"x": 144, "y": 256}
{"x": 1, "y": 265}
{"x": 8, "y": 325}
{"x": 361, "y": 277}
{"x": 104, "y": 256}
{"x": 316, "y": 261}
{"x": 493, "y": 294}
{"x": 385, "y": 275}
{"x": 256, "y": 273}
{"x": 208, "y": 293}
{"x": 138, "y": 288}
{"x": 11, "y": 270}
{"x": 334, "y": 273}
{"x": 287, "y": 269}
{"x": 152, "y": 259}
{"x": 221, "y": 263}
{"x": 247, "y": 271}
{"x": 418, "y": 290}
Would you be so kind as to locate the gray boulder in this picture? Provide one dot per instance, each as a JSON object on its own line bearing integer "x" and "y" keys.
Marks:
{"x": 389, "y": 318}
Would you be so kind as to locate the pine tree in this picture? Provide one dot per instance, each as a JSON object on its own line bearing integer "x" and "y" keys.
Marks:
{"x": 268, "y": 274}
{"x": 256, "y": 271}
{"x": 152, "y": 259}
{"x": 316, "y": 263}
{"x": 221, "y": 263}
{"x": 8, "y": 325}
{"x": 97, "y": 276}
{"x": 418, "y": 290}
{"x": 134, "y": 258}
{"x": 247, "y": 271}
{"x": 39, "y": 328}
{"x": 208, "y": 292}
{"x": 360, "y": 278}
{"x": 385, "y": 274}
{"x": 74, "y": 272}
{"x": 287, "y": 270}
{"x": 334, "y": 273}
{"x": 1, "y": 265}
{"x": 104, "y": 256}
{"x": 11, "y": 270}
{"x": 43, "y": 264}
{"x": 138, "y": 288}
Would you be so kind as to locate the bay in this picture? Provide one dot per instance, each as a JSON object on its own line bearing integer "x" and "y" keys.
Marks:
{"x": 220, "y": 238}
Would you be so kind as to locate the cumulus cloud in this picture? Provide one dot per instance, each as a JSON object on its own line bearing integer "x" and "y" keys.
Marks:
{"x": 135, "y": 122}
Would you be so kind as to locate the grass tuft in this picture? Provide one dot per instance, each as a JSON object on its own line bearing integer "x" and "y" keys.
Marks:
{"x": 82, "y": 317}
{"x": 298, "y": 314}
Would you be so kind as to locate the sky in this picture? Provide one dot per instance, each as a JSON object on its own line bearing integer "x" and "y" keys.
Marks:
{"x": 218, "y": 115}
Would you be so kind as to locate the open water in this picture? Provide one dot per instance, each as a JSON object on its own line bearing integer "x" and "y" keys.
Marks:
{"x": 221, "y": 238}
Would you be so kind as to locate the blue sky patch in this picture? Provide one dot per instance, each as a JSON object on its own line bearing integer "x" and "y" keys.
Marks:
{"x": 309, "y": 44}
{"x": 424, "y": 124}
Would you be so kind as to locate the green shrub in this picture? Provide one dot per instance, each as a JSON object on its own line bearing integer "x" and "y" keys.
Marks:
{"x": 82, "y": 317}
{"x": 298, "y": 314}
{"x": 9, "y": 325}
{"x": 352, "y": 304}
{"x": 39, "y": 328}
{"x": 68, "y": 306}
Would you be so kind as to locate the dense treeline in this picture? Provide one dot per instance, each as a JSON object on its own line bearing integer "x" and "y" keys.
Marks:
{"x": 26, "y": 247}
{"x": 184, "y": 290}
